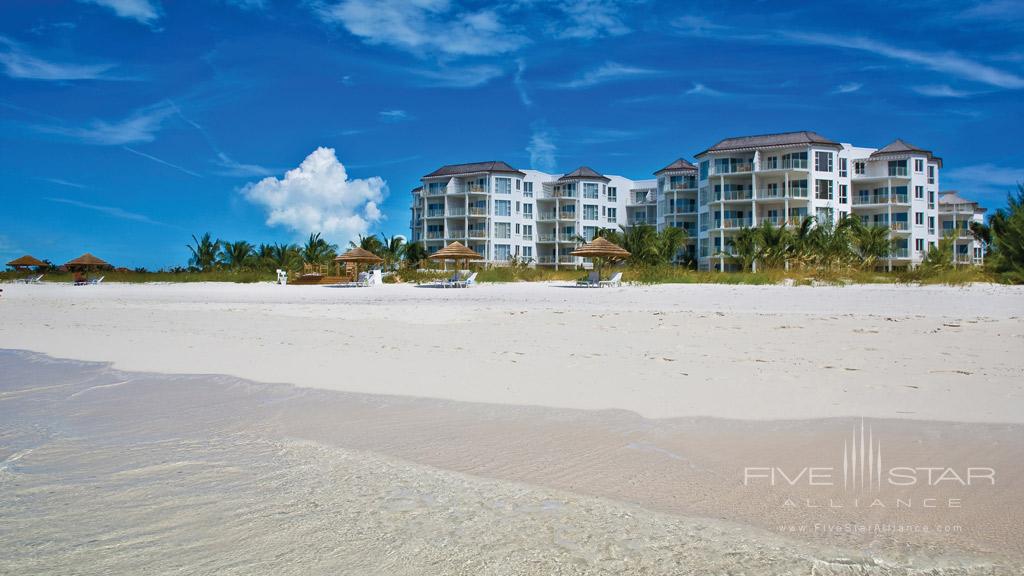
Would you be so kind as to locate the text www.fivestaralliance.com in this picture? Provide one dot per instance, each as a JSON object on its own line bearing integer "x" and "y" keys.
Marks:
{"x": 854, "y": 528}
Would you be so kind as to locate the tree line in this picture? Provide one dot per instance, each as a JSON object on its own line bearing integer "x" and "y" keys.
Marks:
{"x": 207, "y": 254}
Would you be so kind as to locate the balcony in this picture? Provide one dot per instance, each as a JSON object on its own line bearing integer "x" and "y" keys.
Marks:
{"x": 545, "y": 259}
{"x": 564, "y": 259}
{"x": 732, "y": 223}
{"x": 435, "y": 213}
{"x": 566, "y": 215}
{"x": 732, "y": 195}
{"x": 478, "y": 233}
{"x": 899, "y": 225}
{"x": 542, "y": 216}
{"x": 435, "y": 235}
{"x": 767, "y": 165}
{"x": 738, "y": 168}
{"x": 870, "y": 199}
{"x": 456, "y": 212}
{"x": 779, "y": 193}
{"x": 546, "y": 237}
{"x": 900, "y": 253}
{"x": 527, "y": 237}
{"x": 567, "y": 237}
{"x": 641, "y": 222}
{"x": 436, "y": 191}
{"x": 688, "y": 208}
{"x": 475, "y": 189}
{"x": 477, "y": 211}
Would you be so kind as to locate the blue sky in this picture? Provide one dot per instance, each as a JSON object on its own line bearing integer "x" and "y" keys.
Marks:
{"x": 128, "y": 125}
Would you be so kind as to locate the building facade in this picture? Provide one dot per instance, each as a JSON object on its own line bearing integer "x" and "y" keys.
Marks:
{"x": 955, "y": 217}
{"x": 504, "y": 213}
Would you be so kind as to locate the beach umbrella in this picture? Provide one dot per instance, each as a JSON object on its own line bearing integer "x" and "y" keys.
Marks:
{"x": 456, "y": 251}
{"x": 600, "y": 249}
{"x": 86, "y": 261}
{"x": 26, "y": 261}
{"x": 357, "y": 256}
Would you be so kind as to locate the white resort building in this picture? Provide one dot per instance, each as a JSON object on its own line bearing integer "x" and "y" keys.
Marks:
{"x": 955, "y": 217}
{"x": 505, "y": 214}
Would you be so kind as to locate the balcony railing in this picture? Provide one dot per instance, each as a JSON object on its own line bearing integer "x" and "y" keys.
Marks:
{"x": 436, "y": 192}
{"x": 732, "y": 195}
{"x": 899, "y": 225}
{"x": 767, "y": 165}
{"x": 612, "y": 219}
{"x": 641, "y": 222}
{"x": 732, "y": 169}
{"x": 730, "y": 223}
{"x": 545, "y": 259}
{"x": 478, "y": 233}
{"x": 527, "y": 215}
{"x": 566, "y": 215}
{"x": 545, "y": 237}
{"x": 546, "y": 215}
{"x": 456, "y": 211}
{"x": 435, "y": 213}
{"x": 477, "y": 211}
{"x": 435, "y": 235}
{"x": 566, "y": 237}
{"x": 475, "y": 189}
{"x": 865, "y": 199}
{"x": 527, "y": 236}
{"x": 770, "y": 193}
{"x": 456, "y": 234}
{"x": 900, "y": 253}
{"x": 566, "y": 259}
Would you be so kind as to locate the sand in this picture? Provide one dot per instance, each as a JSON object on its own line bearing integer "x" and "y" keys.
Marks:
{"x": 747, "y": 352}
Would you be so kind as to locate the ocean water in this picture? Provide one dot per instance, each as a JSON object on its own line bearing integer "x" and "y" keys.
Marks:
{"x": 106, "y": 472}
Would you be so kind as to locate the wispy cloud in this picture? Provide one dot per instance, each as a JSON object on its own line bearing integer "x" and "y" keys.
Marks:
{"x": 112, "y": 211}
{"x": 542, "y": 149}
{"x": 142, "y": 11}
{"x": 589, "y": 19}
{"x": 20, "y": 63}
{"x": 520, "y": 83}
{"x": 141, "y": 126}
{"x": 162, "y": 161}
{"x": 942, "y": 91}
{"x": 229, "y": 167}
{"x": 696, "y": 25}
{"x": 945, "y": 62}
{"x": 609, "y": 72}
{"x": 457, "y": 77}
{"x": 249, "y": 4}
{"x": 990, "y": 177}
{"x": 1010, "y": 11}
{"x": 61, "y": 182}
{"x": 423, "y": 26}
{"x": 393, "y": 115}
{"x": 702, "y": 90}
{"x": 847, "y": 88}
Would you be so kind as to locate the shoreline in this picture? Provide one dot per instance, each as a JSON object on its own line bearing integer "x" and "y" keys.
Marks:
{"x": 106, "y": 432}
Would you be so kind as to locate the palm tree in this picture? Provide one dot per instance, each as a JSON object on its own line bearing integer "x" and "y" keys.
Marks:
{"x": 391, "y": 250}
{"x": 316, "y": 250}
{"x": 414, "y": 253}
{"x": 283, "y": 257}
{"x": 204, "y": 252}
{"x": 802, "y": 249}
{"x": 235, "y": 255}
{"x": 1007, "y": 226}
{"x": 940, "y": 256}
{"x": 871, "y": 243}
{"x": 670, "y": 239}
{"x": 369, "y": 243}
{"x": 776, "y": 244}
{"x": 830, "y": 243}
{"x": 746, "y": 244}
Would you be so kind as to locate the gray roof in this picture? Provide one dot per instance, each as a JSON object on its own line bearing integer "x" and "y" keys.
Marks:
{"x": 900, "y": 146}
{"x": 473, "y": 168}
{"x": 803, "y": 137}
{"x": 678, "y": 165}
{"x": 952, "y": 197}
{"x": 584, "y": 173}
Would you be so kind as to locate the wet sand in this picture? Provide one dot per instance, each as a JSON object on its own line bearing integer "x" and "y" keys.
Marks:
{"x": 106, "y": 471}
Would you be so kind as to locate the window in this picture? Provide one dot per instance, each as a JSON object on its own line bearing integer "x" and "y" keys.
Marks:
{"x": 518, "y": 184}
{"x": 931, "y": 224}
{"x": 931, "y": 198}
{"x": 704, "y": 165}
{"x": 527, "y": 251}
{"x": 897, "y": 167}
{"x": 502, "y": 230}
{"x": 795, "y": 160}
{"x": 528, "y": 189}
{"x": 612, "y": 215}
{"x": 843, "y": 168}
{"x": 527, "y": 231}
{"x": 589, "y": 232}
{"x": 517, "y": 228}
{"x": 859, "y": 167}
{"x": 918, "y": 192}
{"x": 502, "y": 252}
{"x": 590, "y": 211}
{"x": 918, "y": 165}
{"x": 931, "y": 174}
{"x": 844, "y": 196}
{"x": 823, "y": 189}
{"x": 503, "y": 207}
{"x": 823, "y": 161}
{"x": 770, "y": 163}
{"x": 613, "y": 194}
{"x": 517, "y": 207}
{"x": 590, "y": 190}
{"x": 919, "y": 218}
{"x": 528, "y": 211}
{"x": 919, "y": 244}
{"x": 503, "y": 185}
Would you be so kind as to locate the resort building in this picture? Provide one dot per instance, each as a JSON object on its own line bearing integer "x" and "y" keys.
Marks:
{"x": 504, "y": 213}
{"x": 955, "y": 217}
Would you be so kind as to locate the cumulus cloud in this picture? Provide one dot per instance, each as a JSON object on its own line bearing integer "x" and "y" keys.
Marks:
{"x": 318, "y": 196}
{"x": 142, "y": 11}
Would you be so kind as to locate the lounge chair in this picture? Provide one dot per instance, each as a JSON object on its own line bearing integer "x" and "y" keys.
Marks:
{"x": 35, "y": 280}
{"x": 593, "y": 280}
{"x": 450, "y": 282}
{"x": 615, "y": 280}
{"x": 97, "y": 281}
{"x": 471, "y": 281}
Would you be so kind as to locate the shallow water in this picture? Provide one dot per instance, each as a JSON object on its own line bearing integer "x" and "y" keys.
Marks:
{"x": 107, "y": 472}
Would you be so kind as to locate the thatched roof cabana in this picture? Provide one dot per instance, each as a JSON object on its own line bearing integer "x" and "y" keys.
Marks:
{"x": 359, "y": 256}
{"x": 86, "y": 261}
{"x": 601, "y": 248}
{"x": 456, "y": 251}
{"x": 26, "y": 261}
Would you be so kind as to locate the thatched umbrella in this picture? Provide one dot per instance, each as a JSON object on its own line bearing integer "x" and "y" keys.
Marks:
{"x": 456, "y": 251}
{"x": 600, "y": 249}
{"x": 26, "y": 261}
{"x": 87, "y": 261}
{"x": 357, "y": 256}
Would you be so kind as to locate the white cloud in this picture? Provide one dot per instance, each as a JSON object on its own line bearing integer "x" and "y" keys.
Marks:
{"x": 141, "y": 126}
{"x": 62, "y": 182}
{"x": 609, "y": 72}
{"x": 229, "y": 167}
{"x": 520, "y": 84}
{"x": 542, "y": 150}
{"x": 249, "y": 4}
{"x": 318, "y": 196}
{"x": 460, "y": 77}
{"x": 162, "y": 161}
{"x": 941, "y": 91}
{"x": 988, "y": 176}
{"x": 702, "y": 90}
{"x": 142, "y": 11}
{"x": 696, "y": 25}
{"x": 848, "y": 88}
{"x": 591, "y": 19}
{"x": 112, "y": 211}
{"x": 946, "y": 62}
{"x": 423, "y": 26}
{"x": 18, "y": 63}
{"x": 393, "y": 115}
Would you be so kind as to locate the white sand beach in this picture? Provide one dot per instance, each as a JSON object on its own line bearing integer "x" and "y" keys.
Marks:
{"x": 749, "y": 352}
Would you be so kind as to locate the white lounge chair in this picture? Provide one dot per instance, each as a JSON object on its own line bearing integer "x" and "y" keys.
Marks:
{"x": 97, "y": 281}
{"x": 615, "y": 280}
{"x": 593, "y": 280}
{"x": 471, "y": 281}
{"x": 33, "y": 280}
{"x": 282, "y": 277}
{"x": 451, "y": 282}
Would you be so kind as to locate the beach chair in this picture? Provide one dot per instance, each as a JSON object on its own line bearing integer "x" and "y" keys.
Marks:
{"x": 363, "y": 280}
{"x": 282, "y": 277}
{"x": 97, "y": 281}
{"x": 471, "y": 281}
{"x": 593, "y": 279}
{"x": 35, "y": 280}
{"x": 615, "y": 280}
{"x": 374, "y": 278}
{"x": 451, "y": 282}
{"x": 80, "y": 279}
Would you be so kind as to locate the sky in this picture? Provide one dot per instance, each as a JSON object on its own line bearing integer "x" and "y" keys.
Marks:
{"x": 127, "y": 126}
